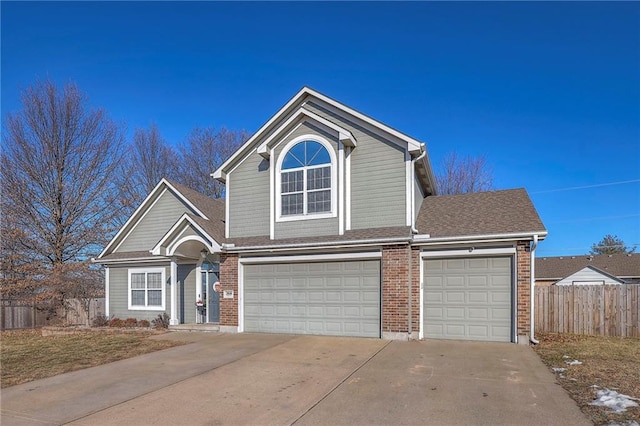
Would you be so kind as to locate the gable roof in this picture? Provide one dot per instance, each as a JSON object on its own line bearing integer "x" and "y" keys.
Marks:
{"x": 296, "y": 103}
{"x": 201, "y": 206}
{"x": 479, "y": 214}
{"x": 620, "y": 265}
{"x": 586, "y": 274}
{"x": 215, "y": 208}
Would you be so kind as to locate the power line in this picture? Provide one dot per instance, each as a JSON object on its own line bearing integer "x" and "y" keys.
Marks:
{"x": 587, "y": 186}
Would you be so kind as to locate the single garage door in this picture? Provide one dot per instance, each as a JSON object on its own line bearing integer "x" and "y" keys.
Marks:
{"x": 323, "y": 298}
{"x": 468, "y": 299}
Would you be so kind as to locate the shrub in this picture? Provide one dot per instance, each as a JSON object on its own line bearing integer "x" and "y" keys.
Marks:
{"x": 162, "y": 321}
{"x": 130, "y": 322}
{"x": 144, "y": 323}
{"x": 100, "y": 321}
{"x": 116, "y": 322}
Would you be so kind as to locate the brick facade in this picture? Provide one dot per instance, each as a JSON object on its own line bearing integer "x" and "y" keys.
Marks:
{"x": 229, "y": 281}
{"x": 400, "y": 264}
{"x": 523, "y": 265}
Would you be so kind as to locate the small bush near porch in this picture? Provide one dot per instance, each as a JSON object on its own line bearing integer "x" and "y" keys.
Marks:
{"x": 602, "y": 363}
{"x": 26, "y": 355}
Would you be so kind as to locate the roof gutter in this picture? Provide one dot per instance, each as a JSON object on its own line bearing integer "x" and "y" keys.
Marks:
{"x": 129, "y": 260}
{"x": 534, "y": 244}
{"x": 427, "y": 239}
{"x": 331, "y": 244}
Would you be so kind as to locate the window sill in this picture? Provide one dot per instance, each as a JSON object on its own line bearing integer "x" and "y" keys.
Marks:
{"x": 296, "y": 218}
{"x": 146, "y": 308}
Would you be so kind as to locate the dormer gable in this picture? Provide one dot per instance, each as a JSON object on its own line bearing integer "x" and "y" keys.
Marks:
{"x": 157, "y": 213}
{"x": 369, "y": 176}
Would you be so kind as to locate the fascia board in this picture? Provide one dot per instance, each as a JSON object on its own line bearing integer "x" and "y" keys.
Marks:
{"x": 343, "y": 134}
{"x": 131, "y": 260}
{"x": 323, "y": 245}
{"x": 425, "y": 239}
{"x": 415, "y": 146}
{"x": 218, "y": 173}
{"x": 184, "y": 219}
{"x": 186, "y": 200}
{"x": 135, "y": 214}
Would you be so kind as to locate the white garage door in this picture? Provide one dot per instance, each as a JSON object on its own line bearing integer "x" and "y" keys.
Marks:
{"x": 324, "y": 298}
{"x": 468, "y": 299}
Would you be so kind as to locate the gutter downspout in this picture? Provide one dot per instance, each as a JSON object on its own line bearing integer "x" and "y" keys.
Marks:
{"x": 410, "y": 327}
{"x": 414, "y": 231}
{"x": 534, "y": 244}
{"x": 413, "y": 194}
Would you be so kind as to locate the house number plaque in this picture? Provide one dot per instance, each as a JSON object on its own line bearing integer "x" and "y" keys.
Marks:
{"x": 227, "y": 294}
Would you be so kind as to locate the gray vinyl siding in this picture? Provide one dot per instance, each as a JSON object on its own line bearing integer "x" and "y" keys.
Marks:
{"x": 311, "y": 227}
{"x": 378, "y": 176}
{"x": 158, "y": 220}
{"x": 186, "y": 294}
{"x": 248, "y": 193}
{"x": 418, "y": 196}
{"x": 118, "y": 294}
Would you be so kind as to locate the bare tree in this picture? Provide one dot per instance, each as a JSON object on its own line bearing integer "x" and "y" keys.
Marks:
{"x": 611, "y": 244}
{"x": 58, "y": 162}
{"x": 149, "y": 159}
{"x": 462, "y": 175}
{"x": 205, "y": 150}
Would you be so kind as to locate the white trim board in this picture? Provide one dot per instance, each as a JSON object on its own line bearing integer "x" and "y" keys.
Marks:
{"x": 312, "y": 257}
{"x": 473, "y": 252}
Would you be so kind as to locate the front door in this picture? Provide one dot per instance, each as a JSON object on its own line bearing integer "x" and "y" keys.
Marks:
{"x": 210, "y": 277}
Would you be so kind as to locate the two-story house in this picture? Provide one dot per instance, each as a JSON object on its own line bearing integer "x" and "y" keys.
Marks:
{"x": 330, "y": 226}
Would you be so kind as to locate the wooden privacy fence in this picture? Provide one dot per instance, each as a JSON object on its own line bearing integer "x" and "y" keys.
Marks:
{"x": 14, "y": 315}
{"x": 605, "y": 310}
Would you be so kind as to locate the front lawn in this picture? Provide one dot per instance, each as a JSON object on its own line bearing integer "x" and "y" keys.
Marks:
{"x": 606, "y": 363}
{"x": 26, "y": 355}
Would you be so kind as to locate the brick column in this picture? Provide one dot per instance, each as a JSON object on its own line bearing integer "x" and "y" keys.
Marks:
{"x": 229, "y": 281}
{"x": 395, "y": 291}
{"x": 415, "y": 292}
{"x": 523, "y": 261}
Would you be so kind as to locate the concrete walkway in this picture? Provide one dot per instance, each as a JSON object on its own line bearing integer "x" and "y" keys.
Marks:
{"x": 281, "y": 380}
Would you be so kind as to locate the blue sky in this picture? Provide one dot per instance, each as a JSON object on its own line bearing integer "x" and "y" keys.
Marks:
{"x": 548, "y": 92}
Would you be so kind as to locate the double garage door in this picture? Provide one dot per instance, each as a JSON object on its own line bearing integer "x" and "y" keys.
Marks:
{"x": 324, "y": 298}
{"x": 463, "y": 298}
{"x": 468, "y": 298}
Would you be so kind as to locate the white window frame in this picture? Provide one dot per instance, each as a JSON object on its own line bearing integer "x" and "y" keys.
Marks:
{"x": 334, "y": 180}
{"x": 163, "y": 289}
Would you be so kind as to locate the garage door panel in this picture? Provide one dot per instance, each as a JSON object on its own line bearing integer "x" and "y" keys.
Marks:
{"x": 467, "y": 298}
{"x": 481, "y": 281}
{"x": 454, "y": 297}
{"x": 479, "y": 297}
{"x": 500, "y": 297}
{"x": 331, "y": 298}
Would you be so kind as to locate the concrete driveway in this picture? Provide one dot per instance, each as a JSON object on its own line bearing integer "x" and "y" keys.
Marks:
{"x": 304, "y": 380}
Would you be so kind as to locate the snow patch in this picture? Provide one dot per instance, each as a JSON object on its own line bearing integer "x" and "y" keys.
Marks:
{"x": 558, "y": 369}
{"x": 616, "y": 401}
{"x": 574, "y": 362}
{"x": 627, "y": 423}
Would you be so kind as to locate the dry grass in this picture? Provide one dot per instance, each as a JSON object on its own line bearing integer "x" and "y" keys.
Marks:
{"x": 26, "y": 355}
{"x": 607, "y": 362}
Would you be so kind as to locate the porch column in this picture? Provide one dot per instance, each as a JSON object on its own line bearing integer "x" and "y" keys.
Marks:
{"x": 174, "y": 292}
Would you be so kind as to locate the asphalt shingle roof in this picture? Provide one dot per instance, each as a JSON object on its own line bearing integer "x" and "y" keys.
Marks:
{"x": 480, "y": 213}
{"x": 620, "y": 265}
{"x": 212, "y": 208}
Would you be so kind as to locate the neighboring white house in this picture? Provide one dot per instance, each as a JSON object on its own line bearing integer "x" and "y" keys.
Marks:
{"x": 590, "y": 275}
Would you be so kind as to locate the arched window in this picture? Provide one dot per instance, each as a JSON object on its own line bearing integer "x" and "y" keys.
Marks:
{"x": 305, "y": 179}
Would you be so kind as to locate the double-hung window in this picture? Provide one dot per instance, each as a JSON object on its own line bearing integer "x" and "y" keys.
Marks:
{"x": 305, "y": 180}
{"x": 146, "y": 288}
